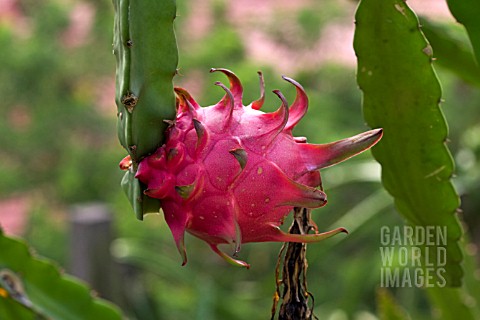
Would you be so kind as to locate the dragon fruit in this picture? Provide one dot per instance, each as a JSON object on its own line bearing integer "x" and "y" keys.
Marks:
{"x": 230, "y": 174}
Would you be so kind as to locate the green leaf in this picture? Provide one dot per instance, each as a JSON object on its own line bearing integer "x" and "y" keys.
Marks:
{"x": 388, "y": 308}
{"x": 33, "y": 288}
{"x": 459, "y": 303}
{"x": 401, "y": 94}
{"x": 467, "y": 12}
{"x": 450, "y": 303}
{"x": 452, "y": 50}
{"x": 471, "y": 288}
{"x": 11, "y": 309}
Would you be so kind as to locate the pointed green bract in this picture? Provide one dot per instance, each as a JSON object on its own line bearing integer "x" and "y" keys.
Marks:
{"x": 141, "y": 203}
{"x": 402, "y": 95}
{"x": 33, "y": 288}
{"x": 146, "y": 53}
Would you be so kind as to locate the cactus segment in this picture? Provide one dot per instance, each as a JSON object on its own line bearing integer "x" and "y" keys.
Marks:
{"x": 145, "y": 48}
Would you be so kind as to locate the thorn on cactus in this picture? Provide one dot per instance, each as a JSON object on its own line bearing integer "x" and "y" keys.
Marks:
{"x": 129, "y": 101}
{"x": 230, "y": 174}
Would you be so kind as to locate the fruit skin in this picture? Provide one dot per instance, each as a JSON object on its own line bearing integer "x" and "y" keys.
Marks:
{"x": 230, "y": 173}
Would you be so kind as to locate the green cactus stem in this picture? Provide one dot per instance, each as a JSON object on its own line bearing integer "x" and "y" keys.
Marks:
{"x": 146, "y": 54}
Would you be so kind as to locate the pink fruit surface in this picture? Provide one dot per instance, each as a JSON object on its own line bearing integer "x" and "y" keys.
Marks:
{"x": 231, "y": 173}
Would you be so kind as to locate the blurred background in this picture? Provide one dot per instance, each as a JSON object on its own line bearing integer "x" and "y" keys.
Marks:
{"x": 59, "y": 149}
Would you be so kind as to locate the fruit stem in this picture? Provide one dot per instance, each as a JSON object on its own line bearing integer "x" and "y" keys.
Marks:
{"x": 295, "y": 294}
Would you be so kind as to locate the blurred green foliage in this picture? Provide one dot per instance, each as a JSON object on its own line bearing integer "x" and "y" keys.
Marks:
{"x": 29, "y": 283}
{"x": 54, "y": 133}
{"x": 59, "y": 147}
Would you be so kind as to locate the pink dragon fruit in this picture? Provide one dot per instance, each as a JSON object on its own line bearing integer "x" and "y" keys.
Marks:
{"x": 230, "y": 174}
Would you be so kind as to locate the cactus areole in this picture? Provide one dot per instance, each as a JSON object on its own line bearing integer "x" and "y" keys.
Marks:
{"x": 230, "y": 174}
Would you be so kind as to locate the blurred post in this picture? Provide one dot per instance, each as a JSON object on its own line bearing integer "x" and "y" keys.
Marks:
{"x": 90, "y": 239}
